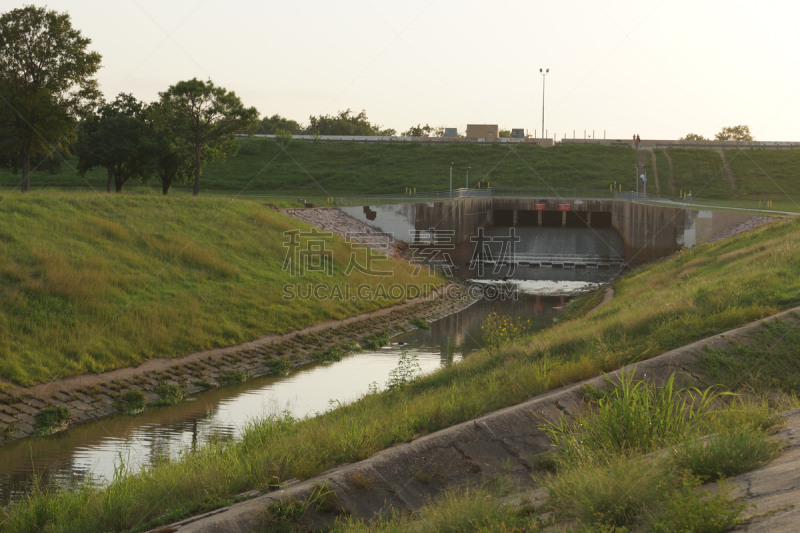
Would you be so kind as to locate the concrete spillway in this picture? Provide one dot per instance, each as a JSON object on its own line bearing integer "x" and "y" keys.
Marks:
{"x": 646, "y": 232}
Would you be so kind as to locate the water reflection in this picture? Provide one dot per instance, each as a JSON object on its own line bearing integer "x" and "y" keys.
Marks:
{"x": 93, "y": 450}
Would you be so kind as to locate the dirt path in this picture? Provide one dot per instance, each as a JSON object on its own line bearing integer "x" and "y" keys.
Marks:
{"x": 727, "y": 168}
{"x": 502, "y": 441}
{"x": 655, "y": 173}
{"x": 607, "y": 296}
{"x": 671, "y": 178}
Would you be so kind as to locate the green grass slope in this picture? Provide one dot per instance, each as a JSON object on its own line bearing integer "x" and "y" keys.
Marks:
{"x": 327, "y": 169}
{"x": 89, "y": 283}
{"x": 685, "y": 298}
{"x": 324, "y": 169}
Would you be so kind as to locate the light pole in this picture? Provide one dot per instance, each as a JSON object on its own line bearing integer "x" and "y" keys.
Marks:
{"x": 544, "y": 74}
{"x": 467, "y": 177}
{"x": 451, "y": 179}
{"x": 637, "y": 179}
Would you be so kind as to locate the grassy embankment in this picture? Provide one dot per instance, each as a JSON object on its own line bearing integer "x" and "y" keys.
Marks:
{"x": 758, "y": 175}
{"x": 327, "y": 169}
{"x": 319, "y": 170}
{"x": 662, "y": 306}
{"x": 632, "y": 463}
{"x": 90, "y": 283}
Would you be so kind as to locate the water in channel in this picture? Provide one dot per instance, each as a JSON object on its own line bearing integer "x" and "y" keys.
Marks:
{"x": 95, "y": 448}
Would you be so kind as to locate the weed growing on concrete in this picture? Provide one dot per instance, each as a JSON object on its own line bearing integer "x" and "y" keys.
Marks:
{"x": 420, "y": 322}
{"x": 431, "y": 473}
{"x": 169, "y": 394}
{"x": 686, "y": 510}
{"x": 132, "y": 402}
{"x": 279, "y": 367}
{"x": 294, "y": 515}
{"x": 725, "y": 455}
{"x": 331, "y": 355}
{"x": 204, "y": 383}
{"x": 7, "y": 431}
{"x": 52, "y": 419}
{"x": 376, "y": 341}
{"x": 361, "y": 481}
{"x": 229, "y": 377}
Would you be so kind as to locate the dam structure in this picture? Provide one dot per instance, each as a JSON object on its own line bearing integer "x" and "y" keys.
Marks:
{"x": 646, "y": 230}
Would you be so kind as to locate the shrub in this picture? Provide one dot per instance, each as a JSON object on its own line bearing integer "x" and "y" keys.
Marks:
{"x": 420, "y": 322}
{"x": 407, "y": 370}
{"x": 376, "y": 341}
{"x": 331, "y": 355}
{"x": 52, "y": 419}
{"x": 725, "y": 455}
{"x": 169, "y": 394}
{"x": 229, "y": 377}
{"x": 283, "y": 137}
{"x": 501, "y": 329}
{"x": 279, "y": 367}
{"x": 132, "y": 402}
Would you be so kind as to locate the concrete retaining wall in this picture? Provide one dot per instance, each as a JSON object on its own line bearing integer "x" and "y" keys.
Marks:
{"x": 649, "y": 231}
{"x": 462, "y": 216}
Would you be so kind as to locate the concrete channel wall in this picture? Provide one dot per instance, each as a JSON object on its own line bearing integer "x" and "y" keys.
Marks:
{"x": 462, "y": 216}
{"x": 648, "y": 231}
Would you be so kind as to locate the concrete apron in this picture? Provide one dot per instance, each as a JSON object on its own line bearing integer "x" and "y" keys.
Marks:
{"x": 407, "y": 476}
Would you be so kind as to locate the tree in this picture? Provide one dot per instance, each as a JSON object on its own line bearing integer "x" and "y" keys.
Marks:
{"x": 46, "y": 84}
{"x": 419, "y": 131}
{"x": 283, "y": 137}
{"x": 118, "y": 139}
{"x": 270, "y": 125}
{"x": 693, "y": 137}
{"x": 504, "y": 134}
{"x": 346, "y": 123}
{"x": 207, "y": 117}
{"x": 735, "y": 133}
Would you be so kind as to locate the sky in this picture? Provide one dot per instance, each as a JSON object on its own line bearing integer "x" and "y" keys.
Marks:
{"x": 660, "y": 69}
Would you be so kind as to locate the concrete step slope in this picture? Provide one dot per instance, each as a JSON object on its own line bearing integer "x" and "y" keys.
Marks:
{"x": 507, "y": 441}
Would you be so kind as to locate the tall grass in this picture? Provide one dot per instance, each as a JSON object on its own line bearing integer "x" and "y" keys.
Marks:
{"x": 677, "y": 301}
{"x": 91, "y": 283}
{"x": 635, "y": 416}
